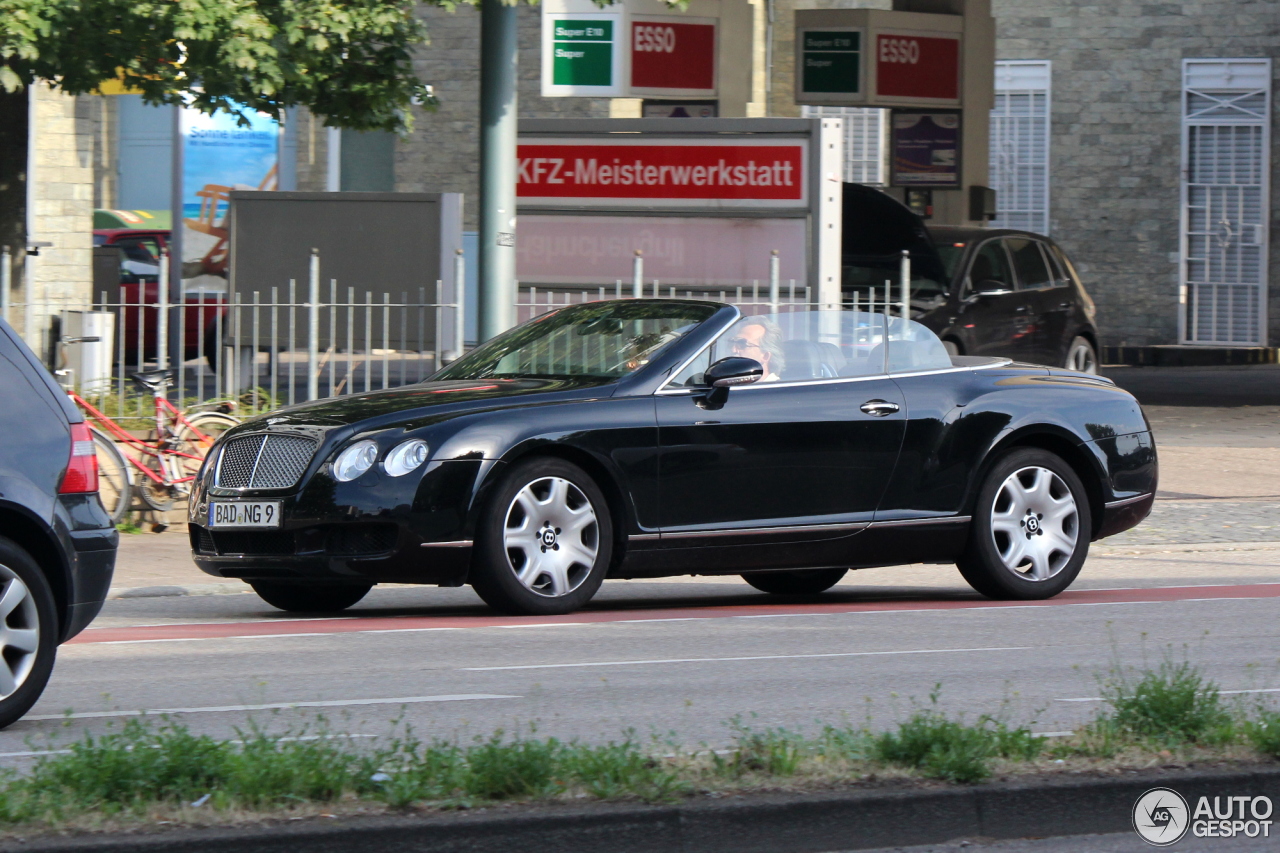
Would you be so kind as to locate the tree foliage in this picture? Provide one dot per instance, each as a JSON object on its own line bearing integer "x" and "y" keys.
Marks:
{"x": 349, "y": 61}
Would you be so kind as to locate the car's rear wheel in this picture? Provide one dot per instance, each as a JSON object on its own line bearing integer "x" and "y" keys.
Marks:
{"x": 1031, "y": 528}
{"x": 298, "y": 597}
{"x": 1082, "y": 356}
{"x": 544, "y": 541}
{"x": 798, "y": 582}
{"x": 28, "y": 632}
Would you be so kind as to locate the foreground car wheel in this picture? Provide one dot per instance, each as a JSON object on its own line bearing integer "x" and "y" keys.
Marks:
{"x": 28, "y": 632}
{"x": 1030, "y": 531}
{"x": 1081, "y": 356}
{"x": 309, "y": 598}
{"x": 803, "y": 582}
{"x": 545, "y": 540}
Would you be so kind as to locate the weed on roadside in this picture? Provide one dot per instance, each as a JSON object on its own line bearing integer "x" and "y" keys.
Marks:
{"x": 1173, "y": 704}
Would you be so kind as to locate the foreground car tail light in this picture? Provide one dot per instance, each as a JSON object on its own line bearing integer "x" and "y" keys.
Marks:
{"x": 81, "y": 476}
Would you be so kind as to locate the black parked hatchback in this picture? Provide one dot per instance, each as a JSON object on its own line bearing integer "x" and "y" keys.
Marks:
{"x": 57, "y": 543}
{"x": 983, "y": 291}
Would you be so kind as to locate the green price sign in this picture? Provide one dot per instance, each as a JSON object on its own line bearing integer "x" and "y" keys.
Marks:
{"x": 831, "y": 61}
{"x": 582, "y": 53}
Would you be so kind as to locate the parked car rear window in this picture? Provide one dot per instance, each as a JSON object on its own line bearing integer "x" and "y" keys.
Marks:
{"x": 1028, "y": 263}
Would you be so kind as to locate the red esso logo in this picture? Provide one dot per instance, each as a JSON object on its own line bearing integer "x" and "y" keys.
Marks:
{"x": 905, "y": 51}
{"x": 655, "y": 39}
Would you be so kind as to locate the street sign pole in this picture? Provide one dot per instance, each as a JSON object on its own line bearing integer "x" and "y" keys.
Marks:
{"x": 497, "y": 278}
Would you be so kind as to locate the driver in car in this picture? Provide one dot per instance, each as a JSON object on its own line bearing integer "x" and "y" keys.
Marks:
{"x": 761, "y": 339}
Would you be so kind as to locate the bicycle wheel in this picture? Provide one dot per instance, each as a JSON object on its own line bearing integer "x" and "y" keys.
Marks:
{"x": 113, "y": 477}
{"x": 209, "y": 424}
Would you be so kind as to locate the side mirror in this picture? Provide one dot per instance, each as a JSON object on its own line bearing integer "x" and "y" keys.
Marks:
{"x": 991, "y": 287}
{"x": 734, "y": 370}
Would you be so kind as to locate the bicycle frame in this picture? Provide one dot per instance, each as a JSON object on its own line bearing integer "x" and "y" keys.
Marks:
{"x": 166, "y": 418}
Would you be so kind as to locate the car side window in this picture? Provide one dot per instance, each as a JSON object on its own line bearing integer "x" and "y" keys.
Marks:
{"x": 1029, "y": 264}
{"x": 990, "y": 264}
{"x": 1059, "y": 264}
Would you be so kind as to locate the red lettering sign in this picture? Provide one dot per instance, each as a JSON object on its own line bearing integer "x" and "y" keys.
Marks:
{"x": 693, "y": 173}
{"x": 668, "y": 55}
{"x": 917, "y": 67}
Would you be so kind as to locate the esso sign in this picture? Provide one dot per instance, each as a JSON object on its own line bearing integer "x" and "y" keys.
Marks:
{"x": 926, "y": 68}
{"x": 673, "y": 57}
{"x": 654, "y": 39}
{"x": 900, "y": 50}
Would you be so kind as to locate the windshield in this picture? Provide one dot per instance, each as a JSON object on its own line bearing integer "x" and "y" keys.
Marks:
{"x": 602, "y": 340}
{"x": 951, "y": 252}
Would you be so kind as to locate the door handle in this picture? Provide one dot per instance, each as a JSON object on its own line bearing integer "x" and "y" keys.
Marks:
{"x": 879, "y": 408}
{"x": 1021, "y": 309}
{"x": 1064, "y": 305}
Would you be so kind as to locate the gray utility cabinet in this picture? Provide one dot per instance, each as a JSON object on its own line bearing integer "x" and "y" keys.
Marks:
{"x": 374, "y": 248}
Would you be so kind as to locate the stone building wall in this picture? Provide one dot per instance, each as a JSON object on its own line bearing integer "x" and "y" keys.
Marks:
{"x": 443, "y": 152}
{"x": 1116, "y": 139}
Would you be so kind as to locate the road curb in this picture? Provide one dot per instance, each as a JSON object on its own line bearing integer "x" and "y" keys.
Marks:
{"x": 797, "y": 823}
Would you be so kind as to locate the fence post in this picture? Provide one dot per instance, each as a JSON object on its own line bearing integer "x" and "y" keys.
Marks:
{"x": 637, "y": 275}
{"x": 6, "y": 281}
{"x": 774, "y": 282}
{"x": 904, "y": 282}
{"x": 460, "y": 300}
{"x": 162, "y": 318}
{"x": 313, "y": 327}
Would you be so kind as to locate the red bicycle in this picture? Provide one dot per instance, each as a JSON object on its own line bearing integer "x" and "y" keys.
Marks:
{"x": 167, "y": 460}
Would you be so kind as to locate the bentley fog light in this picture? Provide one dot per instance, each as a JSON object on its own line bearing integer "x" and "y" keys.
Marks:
{"x": 355, "y": 460}
{"x": 405, "y": 456}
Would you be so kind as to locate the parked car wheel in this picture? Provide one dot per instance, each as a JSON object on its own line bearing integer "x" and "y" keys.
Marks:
{"x": 310, "y": 597}
{"x": 801, "y": 582}
{"x": 1081, "y": 356}
{"x": 114, "y": 480}
{"x": 951, "y": 347}
{"x": 28, "y": 632}
{"x": 545, "y": 540}
{"x": 1030, "y": 531}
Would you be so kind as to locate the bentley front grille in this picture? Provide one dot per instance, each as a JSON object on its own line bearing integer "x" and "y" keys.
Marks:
{"x": 264, "y": 461}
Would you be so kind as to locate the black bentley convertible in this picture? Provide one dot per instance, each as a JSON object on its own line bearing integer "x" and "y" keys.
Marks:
{"x": 647, "y": 438}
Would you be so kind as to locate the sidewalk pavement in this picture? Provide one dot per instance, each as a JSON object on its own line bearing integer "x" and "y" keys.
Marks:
{"x": 1219, "y": 483}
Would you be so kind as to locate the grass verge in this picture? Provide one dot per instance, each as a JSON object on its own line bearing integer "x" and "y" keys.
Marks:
{"x": 149, "y": 769}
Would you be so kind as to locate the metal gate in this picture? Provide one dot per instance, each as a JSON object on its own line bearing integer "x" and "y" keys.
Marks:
{"x": 1020, "y": 145}
{"x": 1225, "y": 201}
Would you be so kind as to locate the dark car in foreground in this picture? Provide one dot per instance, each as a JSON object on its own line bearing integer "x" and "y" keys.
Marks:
{"x": 57, "y": 544}
{"x": 983, "y": 291}
{"x": 649, "y": 438}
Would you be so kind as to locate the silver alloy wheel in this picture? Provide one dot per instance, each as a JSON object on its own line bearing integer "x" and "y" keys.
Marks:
{"x": 551, "y": 536}
{"x": 19, "y": 632}
{"x": 951, "y": 347}
{"x": 1034, "y": 523}
{"x": 1081, "y": 357}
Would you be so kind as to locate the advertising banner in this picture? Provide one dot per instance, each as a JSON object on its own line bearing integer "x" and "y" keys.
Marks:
{"x": 218, "y": 156}
{"x": 675, "y": 172}
{"x": 925, "y": 148}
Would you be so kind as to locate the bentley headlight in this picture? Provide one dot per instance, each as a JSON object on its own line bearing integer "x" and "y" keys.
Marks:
{"x": 355, "y": 460}
{"x": 405, "y": 456}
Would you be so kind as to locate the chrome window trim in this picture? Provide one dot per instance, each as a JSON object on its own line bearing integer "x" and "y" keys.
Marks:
{"x": 757, "y": 386}
{"x": 688, "y": 361}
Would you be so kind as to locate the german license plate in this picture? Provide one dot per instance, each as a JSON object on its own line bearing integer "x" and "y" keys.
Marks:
{"x": 244, "y": 514}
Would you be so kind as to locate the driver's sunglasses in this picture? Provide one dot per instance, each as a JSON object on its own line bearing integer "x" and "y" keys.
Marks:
{"x": 744, "y": 343}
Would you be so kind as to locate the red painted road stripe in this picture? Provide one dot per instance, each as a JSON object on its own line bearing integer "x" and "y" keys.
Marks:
{"x": 350, "y": 625}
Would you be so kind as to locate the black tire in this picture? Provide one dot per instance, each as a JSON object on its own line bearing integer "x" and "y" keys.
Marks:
{"x": 114, "y": 487}
{"x": 799, "y": 582}
{"x": 992, "y": 546}
{"x": 28, "y": 672}
{"x": 502, "y": 554}
{"x": 304, "y": 597}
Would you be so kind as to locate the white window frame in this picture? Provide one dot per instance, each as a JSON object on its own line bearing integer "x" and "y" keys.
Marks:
{"x": 1226, "y": 82}
{"x": 1030, "y": 77}
{"x": 866, "y": 141}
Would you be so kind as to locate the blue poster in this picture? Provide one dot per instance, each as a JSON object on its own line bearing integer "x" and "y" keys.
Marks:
{"x": 926, "y": 148}
{"x": 218, "y": 156}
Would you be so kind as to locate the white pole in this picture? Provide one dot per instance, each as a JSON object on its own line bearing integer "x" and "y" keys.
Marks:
{"x": 637, "y": 275}
{"x": 6, "y": 281}
{"x": 774, "y": 282}
{"x": 162, "y": 325}
{"x": 460, "y": 300}
{"x": 904, "y": 282}
{"x": 313, "y": 328}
